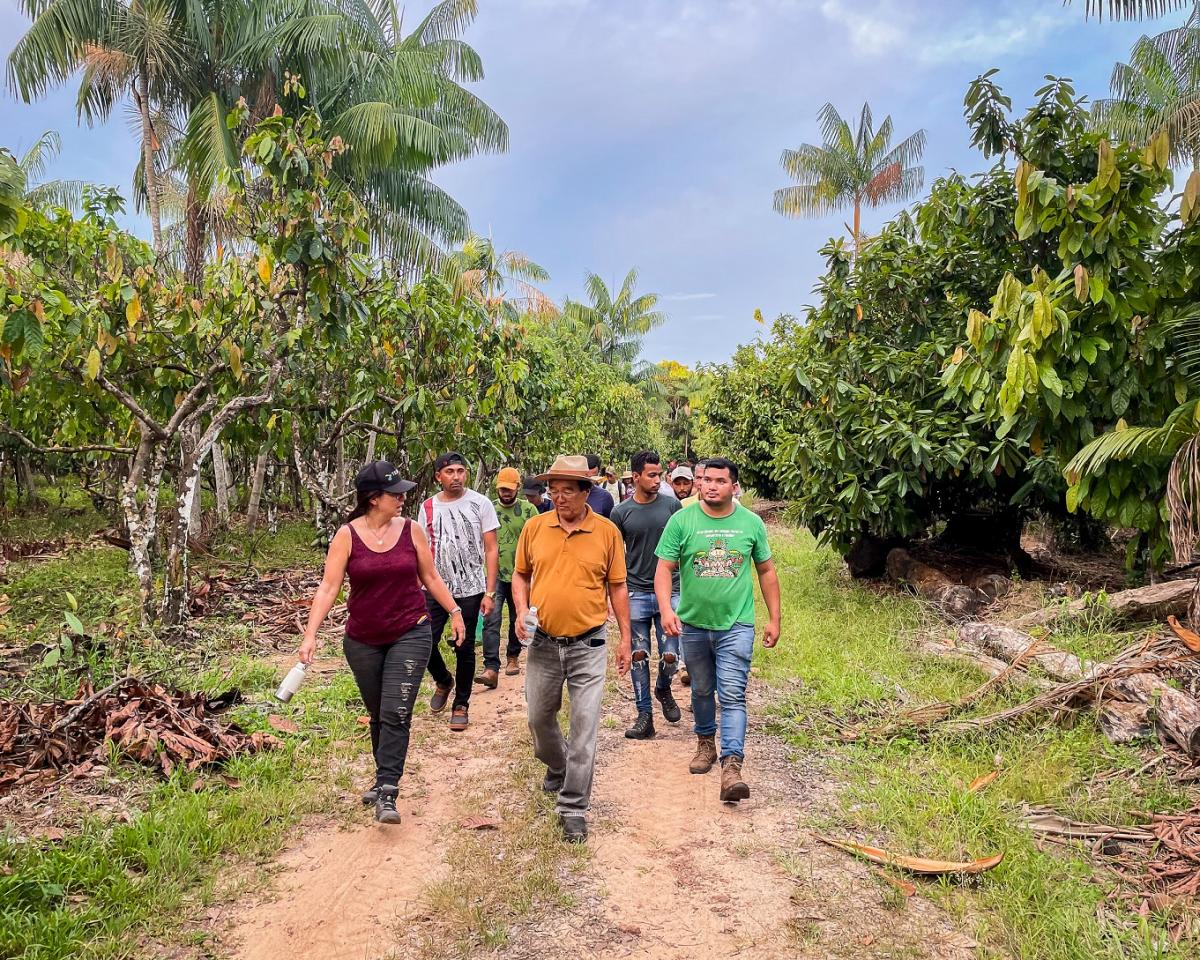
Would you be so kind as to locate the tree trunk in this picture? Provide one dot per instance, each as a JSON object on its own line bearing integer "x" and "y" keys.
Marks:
{"x": 256, "y": 487}
{"x": 195, "y": 238}
{"x": 272, "y": 499}
{"x": 139, "y": 507}
{"x": 26, "y": 485}
{"x": 372, "y": 436}
{"x": 142, "y": 99}
{"x": 1156, "y": 602}
{"x": 221, "y": 481}
{"x": 175, "y": 587}
{"x": 1176, "y": 714}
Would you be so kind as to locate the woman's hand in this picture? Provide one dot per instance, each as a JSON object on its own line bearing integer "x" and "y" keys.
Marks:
{"x": 459, "y": 628}
{"x": 308, "y": 650}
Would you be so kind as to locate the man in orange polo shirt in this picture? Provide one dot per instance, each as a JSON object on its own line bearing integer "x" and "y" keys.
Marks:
{"x": 570, "y": 564}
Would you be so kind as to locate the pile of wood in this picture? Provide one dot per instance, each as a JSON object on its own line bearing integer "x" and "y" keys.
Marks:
{"x": 954, "y": 600}
{"x": 150, "y": 724}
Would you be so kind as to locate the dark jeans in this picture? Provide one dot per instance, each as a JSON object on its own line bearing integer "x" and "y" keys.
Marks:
{"x": 464, "y": 668}
{"x": 491, "y": 627}
{"x": 389, "y": 678}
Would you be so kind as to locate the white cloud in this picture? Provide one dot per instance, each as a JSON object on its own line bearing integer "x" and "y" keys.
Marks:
{"x": 688, "y": 296}
{"x": 872, "y": 31}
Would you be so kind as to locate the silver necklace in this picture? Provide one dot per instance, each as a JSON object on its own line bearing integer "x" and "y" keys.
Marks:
{"x": 379, "y": 537}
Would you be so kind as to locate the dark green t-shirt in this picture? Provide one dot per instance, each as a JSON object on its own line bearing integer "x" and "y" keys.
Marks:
{"x": 716, "y": 556}
{"x": 512, "y": 519}
{"x": 641, "y": 524}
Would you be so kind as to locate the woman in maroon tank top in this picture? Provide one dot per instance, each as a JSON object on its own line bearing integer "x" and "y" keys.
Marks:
{"x": 388, "y": 639}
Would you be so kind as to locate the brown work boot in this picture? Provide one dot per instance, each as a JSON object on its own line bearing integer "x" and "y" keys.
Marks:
{"x": 489, "y": 678}
{"x": 706, "y": 755}
{"x": 733, "y": 787}
{"x": 513, "y": 667}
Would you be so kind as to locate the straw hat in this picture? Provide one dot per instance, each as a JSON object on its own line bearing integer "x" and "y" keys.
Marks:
{"x": 566, "y": 468}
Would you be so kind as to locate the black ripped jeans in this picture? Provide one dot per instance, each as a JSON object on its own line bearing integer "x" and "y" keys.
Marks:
{"x": 389, "y": 678}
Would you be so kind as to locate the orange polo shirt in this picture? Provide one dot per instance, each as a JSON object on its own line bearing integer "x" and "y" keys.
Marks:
{"x": 570, "y": 572}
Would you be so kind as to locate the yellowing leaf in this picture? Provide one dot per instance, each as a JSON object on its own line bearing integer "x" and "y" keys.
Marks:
{"x": 264, "y": 268}
{"x": 1081, "y": 283}
{"x": 235, "y": 358}
{"x": 133, "y": 309}
{"x": 919, "y": 865}
{"x": 92, "y": 370}
{"x": 1190, "y": 207}
{"x": 982, "y": 781}
{"x": 958, "y": 355}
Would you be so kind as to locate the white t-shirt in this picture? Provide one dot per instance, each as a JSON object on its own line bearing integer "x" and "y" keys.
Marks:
{"x": 457, "y": 539}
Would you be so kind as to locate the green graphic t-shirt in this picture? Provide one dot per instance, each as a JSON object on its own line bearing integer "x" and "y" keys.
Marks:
{"x": 512, "y": 519}
{"x": 716, "y": 558}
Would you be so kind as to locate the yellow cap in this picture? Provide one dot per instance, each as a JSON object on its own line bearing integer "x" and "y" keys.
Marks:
{"x": 508, "y": 479}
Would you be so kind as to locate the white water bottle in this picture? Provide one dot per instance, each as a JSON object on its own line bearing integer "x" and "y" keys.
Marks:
{"x": 530, "y": 622}
{"x": 291, "y": 683}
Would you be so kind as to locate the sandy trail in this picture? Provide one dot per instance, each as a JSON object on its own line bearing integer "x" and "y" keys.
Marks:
{"x": 670, "y": 872}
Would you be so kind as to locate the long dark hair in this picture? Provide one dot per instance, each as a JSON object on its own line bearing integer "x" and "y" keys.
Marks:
{"x": 363, "y": 504}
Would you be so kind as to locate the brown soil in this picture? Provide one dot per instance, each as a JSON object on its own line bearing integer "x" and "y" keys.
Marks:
{"x": 670, "y": 872}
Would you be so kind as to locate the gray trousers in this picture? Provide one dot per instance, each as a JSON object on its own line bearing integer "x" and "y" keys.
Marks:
{"x": 582, "y": 669}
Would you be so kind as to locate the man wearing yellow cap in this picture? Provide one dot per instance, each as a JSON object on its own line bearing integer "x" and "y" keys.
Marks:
{"x": 512, "y": 511}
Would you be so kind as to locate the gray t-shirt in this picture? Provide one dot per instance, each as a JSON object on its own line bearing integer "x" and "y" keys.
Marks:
{"x": 456, "y": 535}
{"x": 641, "y": 524}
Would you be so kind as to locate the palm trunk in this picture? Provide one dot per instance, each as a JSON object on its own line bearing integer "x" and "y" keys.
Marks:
{"x": 857, "y": 224}
{"x": 196, "y": 223}
{"x": 142, "y": 96}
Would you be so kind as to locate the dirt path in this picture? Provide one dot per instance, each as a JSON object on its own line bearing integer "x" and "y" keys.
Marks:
{"x": 670, "y": 872}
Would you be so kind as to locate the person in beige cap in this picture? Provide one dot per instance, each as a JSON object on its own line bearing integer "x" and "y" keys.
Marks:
{"x": 570, "y": 564}
{"x": 513, "y": 511}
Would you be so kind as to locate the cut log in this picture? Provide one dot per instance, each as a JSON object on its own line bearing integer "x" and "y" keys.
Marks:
{"x": 992, "y": 585}
{"x": 1155, "y": 602}
{"x": 953, "y": 599}
{"x": 1176, "y": 714}
{"x": 1124, "y": 722}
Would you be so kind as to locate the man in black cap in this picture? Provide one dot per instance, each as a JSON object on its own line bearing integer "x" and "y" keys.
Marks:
{"x": 461, "y": 525}
{"x": 535, "y": 493}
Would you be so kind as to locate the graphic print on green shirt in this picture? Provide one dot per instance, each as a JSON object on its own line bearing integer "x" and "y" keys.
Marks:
{"x": 716, "y": 558}
{"x": 512, "y": 519}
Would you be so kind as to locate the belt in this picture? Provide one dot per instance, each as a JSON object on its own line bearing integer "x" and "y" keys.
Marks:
{"x": 594, "y": 638}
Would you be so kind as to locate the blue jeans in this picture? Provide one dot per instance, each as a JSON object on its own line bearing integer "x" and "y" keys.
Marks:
{"x": 719, "y": 662}
{"x": 644, "y": 615}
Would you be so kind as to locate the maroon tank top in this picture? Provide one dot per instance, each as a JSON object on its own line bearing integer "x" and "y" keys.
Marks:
{"x": 386, "y": 599}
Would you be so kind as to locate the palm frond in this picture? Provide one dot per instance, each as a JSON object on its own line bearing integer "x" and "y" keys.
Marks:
{"x": 56, "y": 193}
{"x": 1133, "y": 443}
{"x": 37, "y": 158}
{"x": 1132, "y": 9}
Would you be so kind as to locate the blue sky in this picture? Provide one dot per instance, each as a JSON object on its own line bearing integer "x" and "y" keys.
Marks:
{"x": 647, "y": 133}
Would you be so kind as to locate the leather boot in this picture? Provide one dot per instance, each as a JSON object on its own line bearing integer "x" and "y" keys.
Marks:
{"x": 513, "y": 667}
{"x": 706, "y": 755}
{"x": 642, "y": 729}
{"x": 733, "y": 787}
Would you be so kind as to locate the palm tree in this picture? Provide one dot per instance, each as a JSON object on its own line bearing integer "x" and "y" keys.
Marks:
{"x": 396, "y": 99}
{"x": 615, "y": 325}
{"x": 1132, "y": 9}
{"x": 1159, "y": 91}
{"x": 850, "y": 168}
{"x": 33, "y": 164}
{"x": 503, "y": 281}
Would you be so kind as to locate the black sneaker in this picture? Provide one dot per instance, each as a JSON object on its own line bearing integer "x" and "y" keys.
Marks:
{"x": 385, "y": 806}
{"x": 370, "y": 796}
{"x": 642, "y": 729}
{"x": 670, "y": 708}
{"x": 574, "y": 829}
{"x": 553, "y": 782}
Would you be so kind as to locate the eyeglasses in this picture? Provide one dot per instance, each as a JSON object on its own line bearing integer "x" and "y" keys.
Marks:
{"x": 560, "y": 494}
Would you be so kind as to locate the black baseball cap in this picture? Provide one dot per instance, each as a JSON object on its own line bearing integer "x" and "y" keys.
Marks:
{"x": 381, "y": 475}
{"x": 446, "y": 459}
{"x": 531, "y": 484}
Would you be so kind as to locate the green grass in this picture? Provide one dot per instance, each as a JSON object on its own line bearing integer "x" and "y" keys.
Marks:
{"x": 845, "y": 659}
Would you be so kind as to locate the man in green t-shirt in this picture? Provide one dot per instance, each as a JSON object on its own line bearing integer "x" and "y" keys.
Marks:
{"x": 713, "y": 545}
{"x": 512, "y": 511}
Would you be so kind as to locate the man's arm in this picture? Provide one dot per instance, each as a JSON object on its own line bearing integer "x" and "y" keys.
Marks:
{"x": 520, "y": 593}
{"x": 664, "y": 586}
{"x": 618, "y": 596}
{"x": 491, "y": 559}
{"x": 768, "y": 580}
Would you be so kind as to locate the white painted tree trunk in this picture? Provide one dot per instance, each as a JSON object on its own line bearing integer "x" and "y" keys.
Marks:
{"x": 221, "y": 481}
{"x": 256, "y": 488}
{"x": 372, "y": 437}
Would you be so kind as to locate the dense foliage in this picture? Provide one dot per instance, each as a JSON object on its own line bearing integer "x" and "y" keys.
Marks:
{"x": 912, "y": 404}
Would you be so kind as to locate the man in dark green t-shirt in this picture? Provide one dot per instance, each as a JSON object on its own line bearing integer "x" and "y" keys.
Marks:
{"x": 713, "y": 544}
{"x": 512, "y": 511}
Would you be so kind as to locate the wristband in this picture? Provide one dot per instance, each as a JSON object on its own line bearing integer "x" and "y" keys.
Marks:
{"x": 454, "y": 611}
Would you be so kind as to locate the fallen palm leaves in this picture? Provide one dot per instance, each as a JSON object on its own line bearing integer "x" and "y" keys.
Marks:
{"x": 149, "y": 724}
{"x": 275, "y": 605}
{"x": 917, "y": 865}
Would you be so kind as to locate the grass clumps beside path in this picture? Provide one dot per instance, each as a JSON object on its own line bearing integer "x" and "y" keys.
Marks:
{"x": 848, "y": 661}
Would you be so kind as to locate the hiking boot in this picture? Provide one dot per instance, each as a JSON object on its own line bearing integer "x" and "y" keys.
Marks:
{"x": 437, "y": 703}
{"x": 670, "y": 708}
{"x": 642, "y": 729}
{"x": 458, "y": 719}
{"x": 706, "y": 755}
{"x": 685, "y": 678}
{"x": 385, "y": 806}
{"x": 553, "y": 782}
{"x": 574, "y": 829}
{"x": 513, "y": 667}
{"x": 733, "y": 787}
{"x": 370, "y": 796}
{"x": 489, "y": 678}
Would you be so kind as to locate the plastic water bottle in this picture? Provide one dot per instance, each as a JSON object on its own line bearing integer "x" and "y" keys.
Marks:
{"x": 291, "y": 683}
{"x": 530, "y": 622}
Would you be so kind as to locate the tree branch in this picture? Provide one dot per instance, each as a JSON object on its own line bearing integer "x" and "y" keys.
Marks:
{"x": 93, "y": 448}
